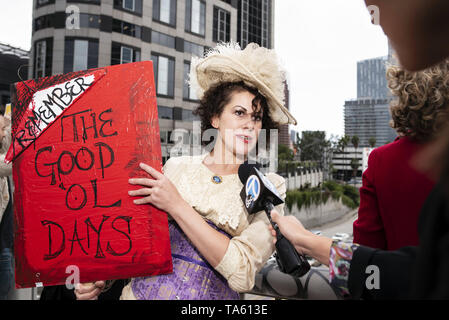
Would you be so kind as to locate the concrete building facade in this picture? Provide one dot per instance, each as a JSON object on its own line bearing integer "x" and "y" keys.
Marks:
{"x": 71, "y": 35}
{"x": 344, "y": 163}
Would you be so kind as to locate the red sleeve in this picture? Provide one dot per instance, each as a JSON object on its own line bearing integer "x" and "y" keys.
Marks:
{"x": 368, "y": 229}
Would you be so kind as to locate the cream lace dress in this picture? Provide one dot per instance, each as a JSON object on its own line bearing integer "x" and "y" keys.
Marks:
{"x": 251, "y": 244}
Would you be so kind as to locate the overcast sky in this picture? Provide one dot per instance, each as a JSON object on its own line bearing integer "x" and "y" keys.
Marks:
{"x": 15, "y": 22}
{"x": 319, "y": 42}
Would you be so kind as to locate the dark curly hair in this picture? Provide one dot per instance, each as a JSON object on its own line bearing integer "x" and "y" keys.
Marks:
{"x": 214, "y": 100}
{"x": 421, "y": 107}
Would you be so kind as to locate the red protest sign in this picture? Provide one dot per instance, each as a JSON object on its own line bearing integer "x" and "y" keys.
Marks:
{"x": 77, "y": 139}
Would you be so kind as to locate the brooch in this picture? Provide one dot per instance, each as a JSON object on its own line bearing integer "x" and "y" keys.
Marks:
{"x": 217, "y": 179}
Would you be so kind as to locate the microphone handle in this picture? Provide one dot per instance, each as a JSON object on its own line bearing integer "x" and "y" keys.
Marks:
{"x": 289, "y": 260}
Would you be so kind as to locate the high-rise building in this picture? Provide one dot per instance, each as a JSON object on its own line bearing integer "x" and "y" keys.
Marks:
{"x": 255, "y": 22}
{"x": 368, "y": 116}
{"x": 293, "y": 136}
{"x": 369, "y": 119}
{"x": 371, "y": 78}
{"x": 284, "y": 135}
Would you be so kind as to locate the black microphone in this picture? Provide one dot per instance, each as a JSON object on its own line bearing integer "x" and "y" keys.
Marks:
{"x": 258, "y": 193}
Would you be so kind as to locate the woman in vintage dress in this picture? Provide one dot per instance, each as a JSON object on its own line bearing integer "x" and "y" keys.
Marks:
{"x": 217, "y": 248}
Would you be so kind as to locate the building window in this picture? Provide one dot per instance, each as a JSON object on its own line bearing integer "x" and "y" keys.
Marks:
{"x": 195, "y": 16}
{"x": 162, "y": 39}
{"x": 80, "y": 54}
{"x": 193, "y": 48}
{"x": 43, "y": 56}
{"x": 187, "y": 93}
{"x": 165, "y": 136}
{"x": 254, "y": 23}
{"x": 124, "y": 54}
{"x": 131, "y": 6}
{"x": 164, "y": 73}
{"x": 43, "y": 22}
{"x": 222, "y": 25}
{"x": 40, "y": 53}
{"x": 265, "y": 23}
{"x": 187, "y": 115}
{"x": 165, "y": 11}
{"x": 165, "y": 112}
{"x": 40, "y": 3}
{"x": 244, "y": 25}
{"x": 126, "y": 28}
{"x": 85, "y": 1}
{"x": 89, "y": 20}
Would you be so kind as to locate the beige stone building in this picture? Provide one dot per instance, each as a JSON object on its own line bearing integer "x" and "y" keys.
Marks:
{"x": 71, "y": 35}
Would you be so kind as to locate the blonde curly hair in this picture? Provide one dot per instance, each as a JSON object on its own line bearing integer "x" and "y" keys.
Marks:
{"x": 421, "y": 107}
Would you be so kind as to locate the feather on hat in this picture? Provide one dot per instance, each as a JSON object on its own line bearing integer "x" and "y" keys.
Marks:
{"x": 256, "y": 66}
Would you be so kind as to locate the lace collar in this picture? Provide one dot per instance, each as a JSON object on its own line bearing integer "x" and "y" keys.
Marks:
{"x": 220, "y": 200}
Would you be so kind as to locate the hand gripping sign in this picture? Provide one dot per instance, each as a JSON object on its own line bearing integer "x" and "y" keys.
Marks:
{"x": 76, "y": 140}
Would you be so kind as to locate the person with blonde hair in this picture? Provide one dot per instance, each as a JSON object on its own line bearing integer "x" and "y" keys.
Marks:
{"x": 394, "y": 190}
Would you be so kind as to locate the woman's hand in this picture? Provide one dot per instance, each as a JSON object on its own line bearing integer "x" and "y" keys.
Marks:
{"x": 304, "y": 241}
{"x": 89, "y": 291}
{"x": 292, "y": 229}
{"x": 160, "y": 191}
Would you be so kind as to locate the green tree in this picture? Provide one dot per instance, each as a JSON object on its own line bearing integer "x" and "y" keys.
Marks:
{"x": 285, "y": 157}
{"x": 355, "y": 142}
{"x": 312, "y": 145}
{"x": 342, "y": 144}
{"x": 355, "y": 167}
{"x": 285, "y": 153}
{"x": 372, "y": 142}
{"x": 330, "y": 172}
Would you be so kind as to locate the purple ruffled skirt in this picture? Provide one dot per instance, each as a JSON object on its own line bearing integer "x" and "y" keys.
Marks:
{"x": 193, "y": 278}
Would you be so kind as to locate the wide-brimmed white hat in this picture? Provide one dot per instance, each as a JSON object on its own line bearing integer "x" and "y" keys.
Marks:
{"x": 256, "y": 66}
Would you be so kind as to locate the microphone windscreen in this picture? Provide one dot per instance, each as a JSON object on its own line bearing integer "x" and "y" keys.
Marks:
{"x": 245, "y": 170}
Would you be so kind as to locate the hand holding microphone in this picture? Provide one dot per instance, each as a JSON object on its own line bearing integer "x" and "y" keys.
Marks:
{"x": 291, "y": 228}
{"x": 258, "y": 194}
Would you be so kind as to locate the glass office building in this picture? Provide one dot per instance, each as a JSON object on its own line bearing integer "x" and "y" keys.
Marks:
{"x": 369, "y": 118}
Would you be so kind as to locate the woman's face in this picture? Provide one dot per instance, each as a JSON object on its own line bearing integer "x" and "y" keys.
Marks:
{"x": 238, "y": 125}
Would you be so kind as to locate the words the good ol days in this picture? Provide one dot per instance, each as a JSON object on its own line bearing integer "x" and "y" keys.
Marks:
{"x": 100, "y": 156}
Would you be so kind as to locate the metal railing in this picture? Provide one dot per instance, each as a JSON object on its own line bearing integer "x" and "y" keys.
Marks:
{"x": 314, "y": 285}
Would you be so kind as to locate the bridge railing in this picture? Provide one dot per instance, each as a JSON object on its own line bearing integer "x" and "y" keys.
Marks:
{"x": 314, "y": 285}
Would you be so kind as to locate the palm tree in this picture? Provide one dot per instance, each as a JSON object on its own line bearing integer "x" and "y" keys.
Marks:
{"x": 343, "y": 143}
{"x": 355, "y": 142}
{"x": 355, "y": 168}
